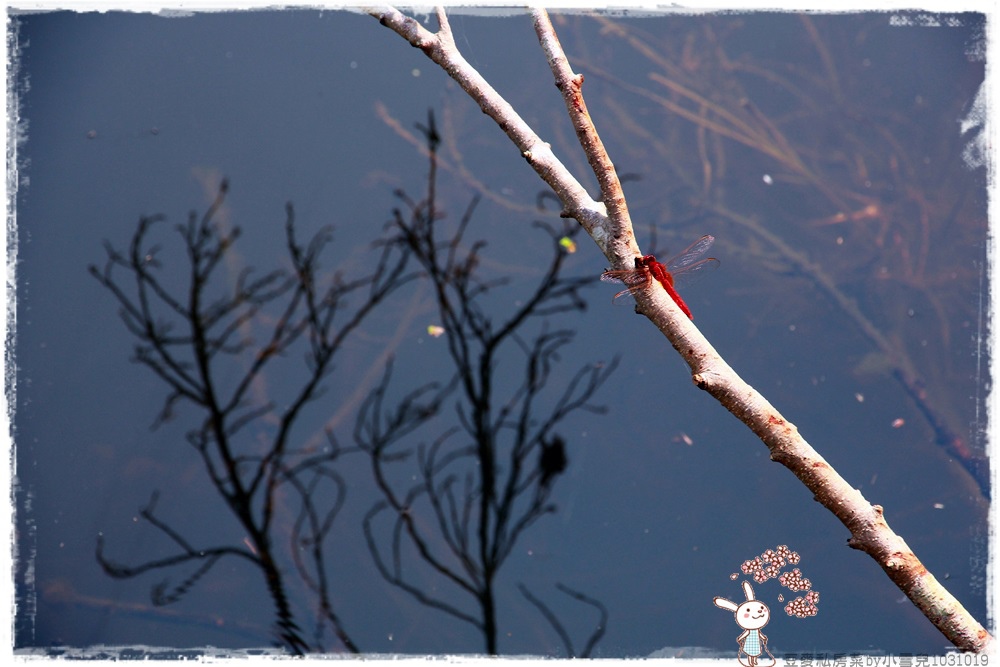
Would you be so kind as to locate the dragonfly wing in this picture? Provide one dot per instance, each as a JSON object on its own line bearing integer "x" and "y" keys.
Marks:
{"x": 694, "y": 272}
{"x": 628, "y": 277}
{"x": 633, "y": 279}
{"x": 691, "y": 254}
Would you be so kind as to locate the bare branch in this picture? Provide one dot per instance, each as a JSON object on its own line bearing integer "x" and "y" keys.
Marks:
{"x": 614, "y": 236}
{"x": 440, "y": 48}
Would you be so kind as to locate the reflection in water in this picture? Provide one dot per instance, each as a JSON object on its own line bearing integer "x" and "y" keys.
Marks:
{"x": 481, "y": 496}
{"x": 471, "y": 494}
{"x": 196, "y": 342}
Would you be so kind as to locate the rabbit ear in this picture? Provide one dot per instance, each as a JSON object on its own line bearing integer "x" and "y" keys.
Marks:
{"x": 723, "y": 603}
{"x": 748, "y": 590}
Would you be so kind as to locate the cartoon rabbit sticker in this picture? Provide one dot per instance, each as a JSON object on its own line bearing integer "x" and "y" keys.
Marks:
{"x": 752, "y": 615}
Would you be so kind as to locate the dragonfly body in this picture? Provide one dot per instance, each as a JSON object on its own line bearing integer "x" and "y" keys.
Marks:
{"x": 648, "y": 269}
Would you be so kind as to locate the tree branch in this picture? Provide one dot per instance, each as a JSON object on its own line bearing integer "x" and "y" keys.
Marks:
{"x": 613, "y": 235}
{"x": 440, "y": 47}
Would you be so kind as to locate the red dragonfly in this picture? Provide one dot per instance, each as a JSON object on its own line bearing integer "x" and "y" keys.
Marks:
{"x": 647, "y": 269}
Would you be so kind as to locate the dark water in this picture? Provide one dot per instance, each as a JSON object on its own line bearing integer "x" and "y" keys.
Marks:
{"x": 824, "y": 154}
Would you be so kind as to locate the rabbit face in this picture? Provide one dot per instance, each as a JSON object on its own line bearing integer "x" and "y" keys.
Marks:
{"x": 752, "y": 615}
